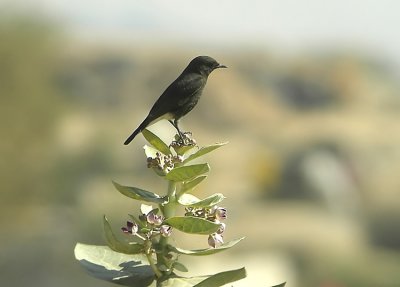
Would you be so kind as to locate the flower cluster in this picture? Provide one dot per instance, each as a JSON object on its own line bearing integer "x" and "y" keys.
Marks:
{"x": 148, "y": 226}
{"x": 215, "y": 214}
{"x": 183, "y": 142}
{"x": 163, "y": 163}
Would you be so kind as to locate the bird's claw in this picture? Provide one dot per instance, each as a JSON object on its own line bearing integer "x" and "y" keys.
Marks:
{"x": 184, "y": 139}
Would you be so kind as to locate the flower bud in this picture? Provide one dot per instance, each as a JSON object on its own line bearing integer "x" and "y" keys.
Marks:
{"x": 221, "y": 228}
{"x": 220, "y": 213}
{"x": 131, "y": 228}
{"x": 165, "y": 230}
{"x": 154, "y": 219}
{"x": 215, "y": 239}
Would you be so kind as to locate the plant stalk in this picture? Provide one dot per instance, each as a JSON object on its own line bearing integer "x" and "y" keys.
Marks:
{"x": 153, "y": 265}
{"x": 168, "y": 211}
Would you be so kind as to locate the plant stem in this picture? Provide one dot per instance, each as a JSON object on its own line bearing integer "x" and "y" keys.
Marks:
{"x": 169, "y": 208}
{"x": 153, "y": 265}
{"x": 168, "y": 211}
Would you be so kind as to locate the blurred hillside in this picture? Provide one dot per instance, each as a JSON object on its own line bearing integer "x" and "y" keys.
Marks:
{"x": 311, "y": 171}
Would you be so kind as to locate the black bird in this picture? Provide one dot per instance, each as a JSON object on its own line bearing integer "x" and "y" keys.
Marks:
{"x": 181, "y": 96}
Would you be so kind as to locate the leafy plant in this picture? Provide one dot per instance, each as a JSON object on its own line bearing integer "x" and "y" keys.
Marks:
{"x": 147, "y": 258}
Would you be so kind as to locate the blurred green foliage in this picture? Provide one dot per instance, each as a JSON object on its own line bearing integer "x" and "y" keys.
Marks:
{"x": 29, "y": 107}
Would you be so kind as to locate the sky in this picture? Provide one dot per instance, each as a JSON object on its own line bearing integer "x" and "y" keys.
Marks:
{"x": 366, "y": 25}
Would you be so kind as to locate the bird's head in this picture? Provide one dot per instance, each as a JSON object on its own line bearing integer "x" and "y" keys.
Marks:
{"x": 204, "y": 65}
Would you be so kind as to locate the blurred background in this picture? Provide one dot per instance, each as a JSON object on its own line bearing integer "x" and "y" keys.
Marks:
{"x": 310, "y": 105}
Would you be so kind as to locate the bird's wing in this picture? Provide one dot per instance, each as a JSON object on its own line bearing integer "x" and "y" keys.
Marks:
{"x": 188, "y": 87}
{"x": 177, "y": 94}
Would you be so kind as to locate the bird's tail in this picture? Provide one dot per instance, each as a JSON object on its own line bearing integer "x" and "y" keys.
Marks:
{"x": 132, "y": 136}
{"x": 141, "y": 127}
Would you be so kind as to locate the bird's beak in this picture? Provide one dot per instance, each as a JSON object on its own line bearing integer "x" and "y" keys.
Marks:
{"x": 221, "y": 66}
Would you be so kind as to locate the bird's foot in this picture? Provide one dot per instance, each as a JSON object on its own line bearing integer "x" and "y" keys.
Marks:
{"x": 184, "y": 139}
{"x": 186, "y": 134}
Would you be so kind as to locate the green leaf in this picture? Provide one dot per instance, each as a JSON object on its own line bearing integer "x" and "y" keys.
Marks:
{"x": 103, "y": 263}
{"x": 187, "y": 199}
{"x": 223, "y": 278}
{"x": 180, "y": 267}
{"x": 190, "y": 185}
{"x": 206, "y": 251}
{"x": 203, "y": 151}
{"x": 140, "y": 194}
{"x": 181, "y": 150}
{"x": 156, "y": 142}
{"x": 117, "y": 245}
{"x": 194, "y": 225}
{"x": 187, "y": 173}
{"x": 177, "y": 281}
{"x": 193, "y": 201}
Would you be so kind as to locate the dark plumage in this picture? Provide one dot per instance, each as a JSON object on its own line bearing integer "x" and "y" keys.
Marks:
{"x": 181, "y": 96}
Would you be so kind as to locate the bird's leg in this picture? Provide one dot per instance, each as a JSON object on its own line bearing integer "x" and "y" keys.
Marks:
{"x": 175, "y": 124}
{"x": 184, "y": 139}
